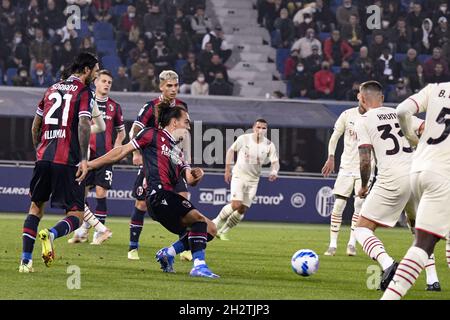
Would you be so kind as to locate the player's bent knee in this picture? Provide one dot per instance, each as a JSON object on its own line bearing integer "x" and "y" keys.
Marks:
{"x": 37, "y": 209}
{"x": 365, "y": 223}
{"x": 236, "y": 205}
{"x": 212, "y": 229}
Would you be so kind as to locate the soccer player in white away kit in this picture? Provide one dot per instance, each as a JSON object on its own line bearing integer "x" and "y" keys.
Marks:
{"x": 430, "y": 182}
{"x": 379, "y": 130}
{"x": 254, "y": 150}
{"x": 348, "y": 178}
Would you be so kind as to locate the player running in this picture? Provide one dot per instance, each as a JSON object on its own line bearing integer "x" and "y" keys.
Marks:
{"x": 60, "y": 133}
{"x": 254, "y": 150}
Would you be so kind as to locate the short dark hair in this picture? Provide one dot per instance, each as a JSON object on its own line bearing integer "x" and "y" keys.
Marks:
{"x": 167, "y": 113}
{"x": 83, "y": 60}
{"x": 106, "y": 73}
{"x": 371, "y": 85}
{"x": 261, "y": 120}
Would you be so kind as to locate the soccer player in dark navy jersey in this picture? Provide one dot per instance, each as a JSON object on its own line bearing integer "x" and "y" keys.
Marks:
{"x": 164, "y": 164}
{"x": 60, "y": 133}
{"x": 148, "y": 118}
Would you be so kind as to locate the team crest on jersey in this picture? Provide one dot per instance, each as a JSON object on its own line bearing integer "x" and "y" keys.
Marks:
{"x": 186, "y": 204}
{"x": 140, "y": 191}
{"x": 111, "y": 107}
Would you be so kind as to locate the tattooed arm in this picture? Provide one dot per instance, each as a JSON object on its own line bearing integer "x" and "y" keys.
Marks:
{"x": 84, "y": 133}
{"x": 365, "y": 168}
{"x": 36, "y": 130}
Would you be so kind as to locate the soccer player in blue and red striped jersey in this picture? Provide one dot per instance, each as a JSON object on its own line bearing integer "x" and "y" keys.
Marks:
{"x": 164, "y": 164}
{"x": 148, "y": 118}
{"x": 60, "y": 132}
{"x": 101, "y": 143}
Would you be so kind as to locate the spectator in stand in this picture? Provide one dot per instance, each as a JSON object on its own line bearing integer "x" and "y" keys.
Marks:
{"x": 290, "y": 64}
{"x": 182, "y": 19}
{"x": 219, "y": 45}
{"x": 386, "y": 69}
{"x": 40, "y": 77}
{"x": 169, "y": 7}
{"x": 272, "y": 12}
{"x": 52, "y": 18}
{"x": 313, "y": 63}
{"x": 352, "y": 94}
{"x": 438, "y": 76}
{"x": 189, "y": 73}
{"x": 220, "y": 86}
{"x": 200, "y": 25}
{"x": 400, "y": 93}
{"x": 400, "y": 36}
{"x": 136, "y": 52}
{"x": 88, "y": 46}
{"x": 344, "y": 12}
{"x": 40, "y": 49}
{"x": 101, "y": 10}
{"x": 127, "y": 31}
{"x": 442, "y": 32}
{"x": 391, "y": 13}
{"x": 409, "y": 65}
{"x": 343, "y": 82}
{"x": 284, "y": 34}
{"x": 62, "y": 56}
{"x": 415, "y": 17}
{"x": 160, "y": 55}
{"x": 215, "y": 67}
{"x": 9, "y": 20}
{"x": 377, "y": 46}
{"x": 139, "y": 71}
{"x": 360, "y": 62}
{"x": 149, "y": 83}
{"x": 179, "y": 42}
{"x": 324, "y": 18}
{"x": 304, "y": 45}
{"x": 305, "y": 13}
{"x": 122, "y": 82}
{"x": 417, "y": 81}
{"x": 446, "y": 49}
{"x": 200, "y": 87}
{"x": 425, "y": 39}
{"x": 301, "y": 83}
{"x": 307, "y": 23}
{"x": 337, "y": 49}
{"x": 204, "y": 57}
{"x": 154, "y": 21}
{"x": 33, "y": 14}
{"x": 324, "y": 82}
{"x": 127, "y": 20}
{"x": 18, "y": 56}
{"x": 22, "y": 79}
{"x": 368, "y": 73}
{"x": 441, "y": 11}
{"x": 430, "y": 63}
{"x": 352, "y": 32}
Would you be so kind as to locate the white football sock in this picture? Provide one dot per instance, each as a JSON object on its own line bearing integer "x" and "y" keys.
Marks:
{"x": 373, "y": 247}
{"x": 357, "y": 204}
{"x": 430, "y": 269}
{"x": 336, "y": 220}
{"x": 232, "y": 221}
{"x": 447, "y": 248}
{"x": 223, "y": 215}
{"x": 92, "y": 220}
{"x": 407, "y": 273}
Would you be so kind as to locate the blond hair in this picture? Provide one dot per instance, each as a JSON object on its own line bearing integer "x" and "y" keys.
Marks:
{"x": 168, "y": 75}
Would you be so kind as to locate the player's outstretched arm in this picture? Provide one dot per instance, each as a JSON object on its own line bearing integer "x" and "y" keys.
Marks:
{"x": 274, "y": 168}
{"x": 405, "y": 111}
{"x": 112, "y": 156}
{"x": 193, "y": 176}
{"x": 137, "y": 156}
{"x": 228, "y": 161}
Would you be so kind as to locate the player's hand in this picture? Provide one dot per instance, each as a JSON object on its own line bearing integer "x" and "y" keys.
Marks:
{"x": 227, "y": 176}
{"x": 137, "y": 159}
{"x": 82, "y": 171}
{"x": 362, "y": 193}
{"x": 328, "y": 168}
{"x": 413, "y": 141}
{"x": 273, "y": 177}
{"x": 197, "y": 173}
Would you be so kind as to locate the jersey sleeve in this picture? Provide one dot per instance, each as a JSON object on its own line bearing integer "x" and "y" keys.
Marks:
{"x": 40, "y": 108}
{"x": 86, "y": 103}
{"x": 144, "y": 116}
{"x": 417, "y": 123}
{"x": 273, "y": 156}
{"x": 237, "y": 145}
{"x": 339, "y": 125}
{"x": 143, "y": 138}
{"x": 118, "y": 119}
{"x": 362, "y": 133}
{"x": 421, "y": 98}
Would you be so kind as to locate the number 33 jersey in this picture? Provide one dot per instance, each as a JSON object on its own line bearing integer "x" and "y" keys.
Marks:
{"x": 379, "y": 128}
{"x": 433, "y": 150}
{"x": 62, "y": 105}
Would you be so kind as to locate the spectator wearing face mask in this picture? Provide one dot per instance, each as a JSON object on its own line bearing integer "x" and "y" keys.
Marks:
{"x": 304, "y": 45}
{"x": 324, "y": 81}
{"x": 344, "y": 81}
{"x": 344, "y": 12}
{"x": 19, "y": 55}
{"x": 300, "y": 83}
{"x": 200, "y": 87}
{"x": 22, "y": 79}
{"x": 220, "y": 87}
{"x": 40, "y": 77}
{"x": 308, "y": 23}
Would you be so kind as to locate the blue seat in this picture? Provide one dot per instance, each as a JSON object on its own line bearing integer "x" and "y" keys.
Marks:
{"x": 119, "y": 9}
{"x": 10, "y": 73}
{"x": 323, "y": 36}
{"x": 282, "y": 55}
{"x": 179, "y": 64}
{"x": 423, "y": 57}
{"x": 335, "y": 69}
{"x": 103, "y": 31}
{"x": 111, "y": 63}
{"x": 84, "y": 31}
{"x": 399, "y": 57}
{"x": 106, "y": 47}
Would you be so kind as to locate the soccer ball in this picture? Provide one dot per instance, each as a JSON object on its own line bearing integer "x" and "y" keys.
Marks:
{"x": 305, "y": 262}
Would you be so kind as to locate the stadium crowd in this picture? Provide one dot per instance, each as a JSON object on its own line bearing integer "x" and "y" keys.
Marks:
{"x": 134, "y": 39}
{"x": 325, "y": 49}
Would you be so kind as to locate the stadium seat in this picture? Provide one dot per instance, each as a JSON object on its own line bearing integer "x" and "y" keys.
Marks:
{"x": 399, "y": 57}
{"x": 103, "y": 31}
{"x": 106, "y": 47}
{"x": 179, "y": 64}
{"x": 423, "y": 57}
{"x": 323, "y": 36}
{"x": 282, "y": 55}
{"x": 84, "y": 31}
{"x": 335, "y": 69}
{"x": 119, "y": 9}
{"x": 10, "y": 73}
{"x": 111, "y": 63}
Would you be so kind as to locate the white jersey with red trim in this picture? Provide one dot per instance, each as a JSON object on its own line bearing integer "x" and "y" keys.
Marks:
{"x": 380, "y": 129}
{"x": 433, "y": 150}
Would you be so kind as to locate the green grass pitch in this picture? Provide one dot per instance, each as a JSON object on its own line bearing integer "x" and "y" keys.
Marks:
{"x": 254, "y": 265}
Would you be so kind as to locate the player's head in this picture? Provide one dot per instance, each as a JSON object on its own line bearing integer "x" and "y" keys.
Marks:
{"x": 85, "y": 66}
{"x": 370, "y": 94}
{"x": 260, "y": 127}
{"x": 174, "y": 119}
{"x": 103, "y": 82}
{"x": 168, "y": 84}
